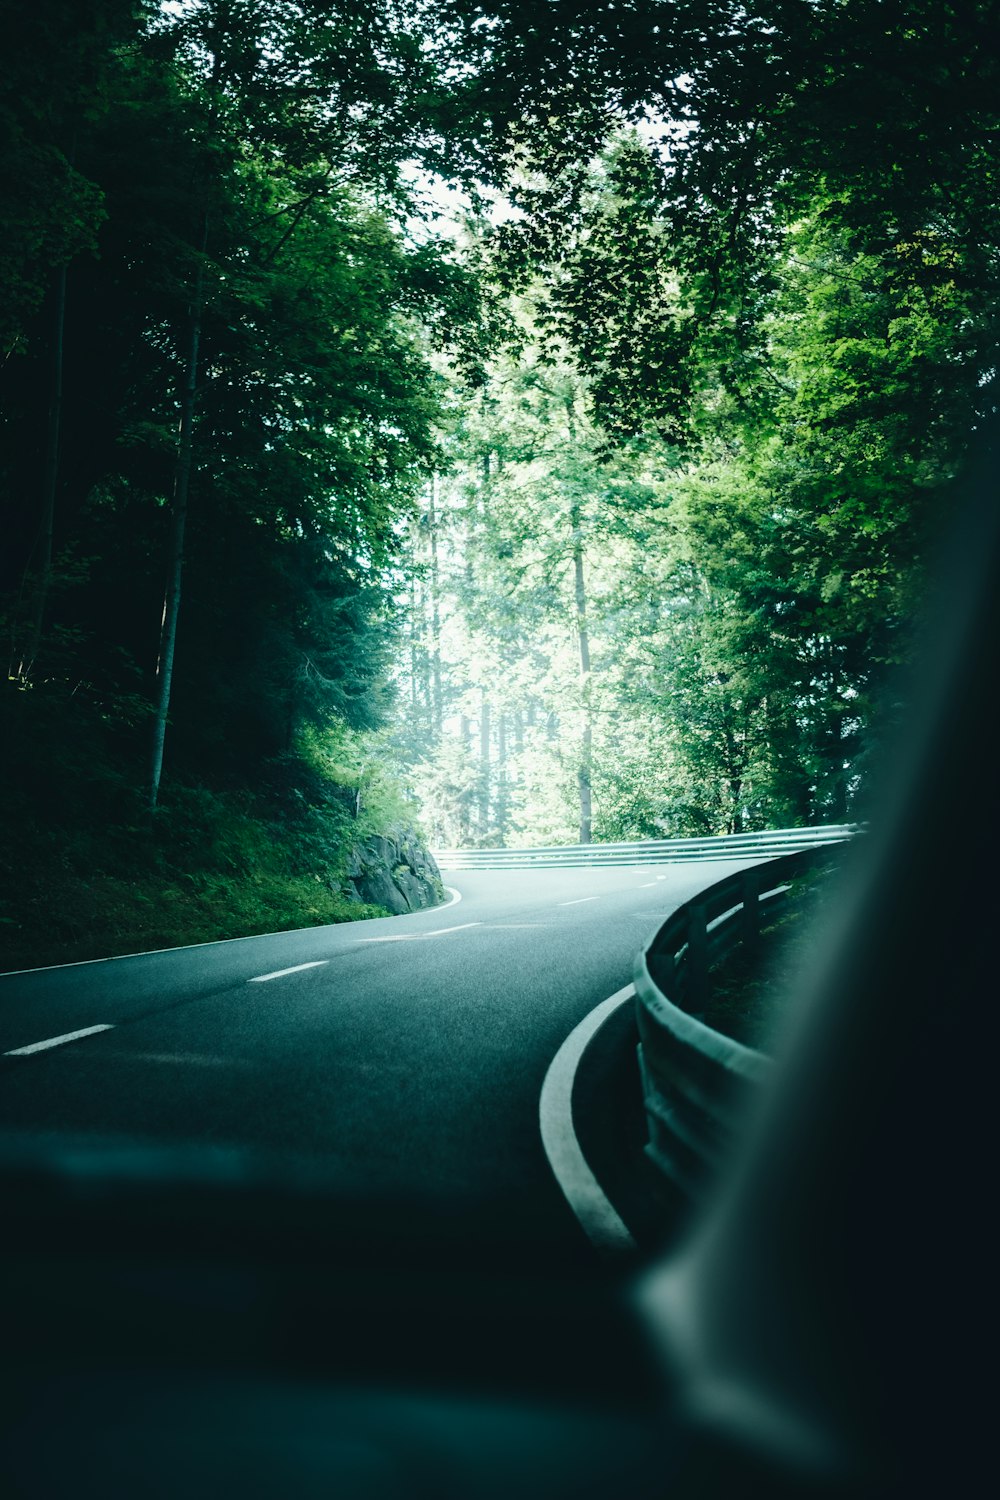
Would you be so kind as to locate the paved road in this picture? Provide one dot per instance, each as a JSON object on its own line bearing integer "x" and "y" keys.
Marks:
{"x": 406, "y": 1053}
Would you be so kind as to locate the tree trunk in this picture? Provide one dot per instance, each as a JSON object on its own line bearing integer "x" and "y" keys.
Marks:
{"x": 175, "y": 566}
{"x": 585, "y": 769}
{"x": 426, "y": 685}
{"x": 734, "y": 767}
{"x": 736, "y": 812}
{"x": 437, "y": 714}
{"x": 502, "y": 799}
{"x": 422, "y": 700}
{"x": 50, "y": 479}
{"x": 466, "y": 795}
{"x": 839, "y": 773}
{"x": 414, "y": 646}
{"x": 484, "y": 768}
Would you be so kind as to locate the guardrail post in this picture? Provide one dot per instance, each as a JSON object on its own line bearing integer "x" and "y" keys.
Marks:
{"x": 696, "y": 965}
{"x": 750, "y": 923}
{"x": 662, "y": 970}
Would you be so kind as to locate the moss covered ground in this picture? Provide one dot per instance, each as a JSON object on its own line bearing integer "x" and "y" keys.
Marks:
{"x": 210, "y": 865}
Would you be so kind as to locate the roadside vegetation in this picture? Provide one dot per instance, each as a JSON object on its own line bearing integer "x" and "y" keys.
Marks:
{"x": 560, "y": 401}
{"x": 86, "y": 873}
{"x": 671, "y": 572}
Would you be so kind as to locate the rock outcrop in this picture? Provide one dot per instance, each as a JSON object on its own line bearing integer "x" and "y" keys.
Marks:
{"x": 394, "y": 871}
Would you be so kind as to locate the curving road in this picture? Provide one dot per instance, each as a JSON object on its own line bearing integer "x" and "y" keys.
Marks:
{"x": 407, "y": 1054}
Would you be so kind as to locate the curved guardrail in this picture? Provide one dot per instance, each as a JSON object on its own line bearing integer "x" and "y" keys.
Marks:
{"x": 696, "y": 1082}
{"x": 763, "y": 845}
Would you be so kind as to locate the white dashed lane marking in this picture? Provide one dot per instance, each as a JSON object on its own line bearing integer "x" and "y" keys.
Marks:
{"x": 317, "y": 963}
{"x": 57, "y": 1041}
{"x": 420, "y": 937}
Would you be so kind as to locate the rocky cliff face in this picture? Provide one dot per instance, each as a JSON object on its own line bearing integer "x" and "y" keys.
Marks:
{"x": 396, "y": 872}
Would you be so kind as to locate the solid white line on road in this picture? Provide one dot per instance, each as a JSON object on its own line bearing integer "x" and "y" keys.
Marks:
{"x": 57, "y": 1041}
{"x": 579, "y": 901}
{"x": 580, "y": 1187}
{"x": 649, "y": 883}
{"x": 398, "y": 937}
{"x": 420, "y": 937}
{"x": 317, "y": 963}
{"x": 254, "y": 937}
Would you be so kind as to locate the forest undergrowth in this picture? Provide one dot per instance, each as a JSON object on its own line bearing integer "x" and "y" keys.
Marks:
{"x": 87, "y": 872}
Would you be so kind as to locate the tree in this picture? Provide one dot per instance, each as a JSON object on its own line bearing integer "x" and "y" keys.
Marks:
{"x": 253, "y": 340}
{"x": 52, "y": 212}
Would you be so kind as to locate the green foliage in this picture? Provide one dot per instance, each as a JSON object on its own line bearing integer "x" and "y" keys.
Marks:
{"x": 243, "y": 150}
{"x": 747, "y": 594}
{"x": 644, "y": 568}
{"x": 238, "y": 172}
{"x": 84, "y": 872}
{"x": 61, "y": 62}
{"x": 366, "y": 767}
{"x": 880, "y": 120}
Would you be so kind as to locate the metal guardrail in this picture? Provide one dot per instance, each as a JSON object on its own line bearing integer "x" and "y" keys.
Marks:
{"x": 763, "y": 845}
{"x": 696, "y": 1082}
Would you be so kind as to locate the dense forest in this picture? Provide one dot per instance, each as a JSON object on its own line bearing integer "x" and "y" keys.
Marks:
{"x": 528, "y": 422}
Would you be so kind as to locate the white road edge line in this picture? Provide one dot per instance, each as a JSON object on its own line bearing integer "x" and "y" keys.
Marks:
{"x": 579, "y": 901}
{"x": 580, "y": 1188}
{"x": 251, "y": 937}
{"x": 648, "y": 884}
{"x": 419, "y": 937}
{"x": 57, "y": 1041}
{"x": 317, "y": 963}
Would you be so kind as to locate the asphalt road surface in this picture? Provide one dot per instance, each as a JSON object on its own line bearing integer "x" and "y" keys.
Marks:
{"x": 406, "y": 1054}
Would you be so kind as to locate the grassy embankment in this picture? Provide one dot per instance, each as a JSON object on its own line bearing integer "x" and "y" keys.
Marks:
{"x": 85, "y": 872}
